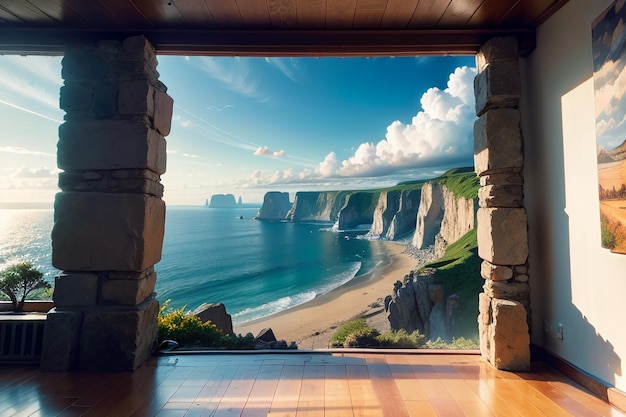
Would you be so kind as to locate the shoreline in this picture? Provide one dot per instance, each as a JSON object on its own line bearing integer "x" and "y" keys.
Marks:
{"x": 311, "y": 324}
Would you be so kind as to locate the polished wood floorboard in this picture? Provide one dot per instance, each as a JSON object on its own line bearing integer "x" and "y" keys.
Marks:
{"x": 299, "y": 385}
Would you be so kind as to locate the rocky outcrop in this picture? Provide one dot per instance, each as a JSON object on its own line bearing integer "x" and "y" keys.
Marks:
{"x": 443, "y": 218}
{"x": 418, "y": 303}
{"x": 216, "y": 314}
{"x": 275, "y": 206}
{"x": 222, "y": 201}
{"x": 394, "y": 215}
{"x": 358, "y": 210}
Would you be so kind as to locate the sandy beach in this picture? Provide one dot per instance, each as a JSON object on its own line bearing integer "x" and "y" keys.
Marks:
{"x": 312, "y": 324}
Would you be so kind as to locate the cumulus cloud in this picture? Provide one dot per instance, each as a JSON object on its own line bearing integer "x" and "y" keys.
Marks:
{"x": 25, "y": 172}
{"x": 23, "y": 151}
{"x": 440, "y": 133}
{"x": 265, "y": 151}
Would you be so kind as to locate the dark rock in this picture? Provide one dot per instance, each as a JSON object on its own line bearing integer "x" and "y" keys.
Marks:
{"x": 266, "y": 335}
{"x": 216, "y": 314}
{"x": 275, "y": 206}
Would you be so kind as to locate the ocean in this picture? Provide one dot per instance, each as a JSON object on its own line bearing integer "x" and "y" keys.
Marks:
{"x": 222, "y": 255}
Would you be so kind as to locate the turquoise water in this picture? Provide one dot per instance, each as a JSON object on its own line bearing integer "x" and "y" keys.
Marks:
{"x": 211, "y": 255}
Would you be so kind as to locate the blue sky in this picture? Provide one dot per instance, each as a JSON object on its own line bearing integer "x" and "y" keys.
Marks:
{"x": 250, "y": 125}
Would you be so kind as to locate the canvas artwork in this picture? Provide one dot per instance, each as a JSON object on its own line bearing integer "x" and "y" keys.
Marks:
{"x": 609, "y": 73}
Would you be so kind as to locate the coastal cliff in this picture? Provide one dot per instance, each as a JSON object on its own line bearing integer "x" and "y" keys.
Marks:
{"x": 358, "y": 210}
{"x": 317, "y": 206}
{"x": 395, "y": 213}
{"x": 275, "y": 206}
{"x": 446, "y": 213}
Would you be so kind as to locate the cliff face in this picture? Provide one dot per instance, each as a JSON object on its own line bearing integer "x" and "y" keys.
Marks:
{"x": 222, "y": 201}
{"x": 323, "y": 206}
{"x": 359, "y": 209}
{"x": 395, "y": 213}
{"x": 275, "y": 206}
{"x": 442, "y": 218}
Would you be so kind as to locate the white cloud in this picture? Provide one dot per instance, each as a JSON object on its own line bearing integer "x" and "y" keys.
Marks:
{"x": 441, "y": 133}
{"x": 265, "y": 151}
{"x": 25, "y": 172}
{"x": 287, "y": 66}
{"x": 233, "y": 73}
{"x": 23, "y": 151}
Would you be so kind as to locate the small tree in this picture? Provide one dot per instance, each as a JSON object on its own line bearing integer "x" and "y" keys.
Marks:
{"x": 19, "y": 280}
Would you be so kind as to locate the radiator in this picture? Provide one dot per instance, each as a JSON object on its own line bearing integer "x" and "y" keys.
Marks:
{"x": 21, "y": 338}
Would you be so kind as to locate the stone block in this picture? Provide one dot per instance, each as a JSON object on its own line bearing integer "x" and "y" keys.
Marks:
{"x": 163, "y": 108}
{"x": 137, "y": 47}
{"x": 75, "y": 96}
{"x": 502, "y": 178}
{"x": 104, "y": 101}
{"x": 501, "y": 196}
{"x": 497, "y": 142}
{"x": 216, "y": 314}
{"x": 128, "y": 291}
{"x": 507, "y": 290}
{"x": 83, "y": 66}
{"x": 60, "y": 340}
{"x": 502, "y": 235}
{"x": 484, "y": 333}
{"x": 498, "y": 85}
{"x": 509, "y": 341}
{"x": 110, "y": 144}
{"x": 136, "y": 97}
{"x": 495, "y": 272}
{"x": 72, "y": 289}
{"x": 522, "y": 278}
{"x": 104, "y": 231}
{"x": 484, "y": 308}
{"x": 118, "y": 340}
{"x": 503, "y": 48}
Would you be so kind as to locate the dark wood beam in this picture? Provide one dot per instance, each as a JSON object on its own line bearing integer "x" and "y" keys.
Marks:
{"x": 53, "y": 41}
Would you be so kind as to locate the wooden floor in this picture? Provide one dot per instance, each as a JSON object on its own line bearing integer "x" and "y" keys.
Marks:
{"x": 314, "y": 384}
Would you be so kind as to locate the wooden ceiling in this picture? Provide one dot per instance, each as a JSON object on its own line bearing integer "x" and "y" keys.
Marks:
{"x": 273, "y": 27}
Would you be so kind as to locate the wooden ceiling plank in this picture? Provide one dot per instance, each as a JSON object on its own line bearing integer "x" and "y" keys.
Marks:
{"x": 428, "y": 13}
{"x": 368, "y": 19}
{"x": 371, "y": 4}
{"x": 398, "y": 14}
{"x": 57, "y": 9}
{"x": 459, "y": 13}
{"x": 254, "y": 13}
{"x": 126, "y": 13}
{"x": 340, "y": 14}
{"x": 533, "y": 12}
{"x": 25, "y": 11}
{"x": 93, "y": 9}
{"x": 490, "y": 12}
{"x": 283, "y": 14}
{"x": 311, "y": 14}
{"x": 195, "y": 11}
{"x": 160, "y": 11}
{"x": 225, "y": 13}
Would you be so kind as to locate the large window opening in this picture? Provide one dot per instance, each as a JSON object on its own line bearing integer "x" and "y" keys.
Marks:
{"x": 352, "y": 141}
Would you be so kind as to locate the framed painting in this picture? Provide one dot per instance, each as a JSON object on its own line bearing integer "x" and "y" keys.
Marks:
{"x": 609, "y": 74}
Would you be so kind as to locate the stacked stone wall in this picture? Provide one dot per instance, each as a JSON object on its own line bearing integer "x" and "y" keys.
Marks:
{"x": 504, "y": 304}
{"x": 109, "y": 216}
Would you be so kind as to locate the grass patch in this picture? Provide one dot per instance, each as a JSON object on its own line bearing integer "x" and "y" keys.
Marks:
{"x": 459, "y": 272}
{"x": 357, "y": 333}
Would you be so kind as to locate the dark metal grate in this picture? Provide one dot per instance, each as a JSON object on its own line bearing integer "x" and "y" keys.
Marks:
{"x": 21, "y": 340}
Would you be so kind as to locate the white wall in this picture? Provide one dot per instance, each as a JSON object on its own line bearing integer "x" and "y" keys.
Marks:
{"x": 573, "y": 280}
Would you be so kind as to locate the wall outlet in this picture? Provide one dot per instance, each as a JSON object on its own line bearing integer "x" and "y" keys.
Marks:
{"x": 559, "y": 331}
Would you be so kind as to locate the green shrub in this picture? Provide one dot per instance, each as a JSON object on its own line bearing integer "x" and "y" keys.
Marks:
{"x": 338, "y": 339}
{"x": 400, "y": 339}
{"x": 189, "y": 331}
{"x": 367, "y": 337}
{"x": 460, "y": 343}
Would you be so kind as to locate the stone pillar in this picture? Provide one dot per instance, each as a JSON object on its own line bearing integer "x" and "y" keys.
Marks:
{"x": 504, "y": 305}
{"x": 109, "y": 216}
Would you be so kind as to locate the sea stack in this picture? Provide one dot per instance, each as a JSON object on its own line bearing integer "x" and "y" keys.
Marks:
{"x": 275, "y": 206}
